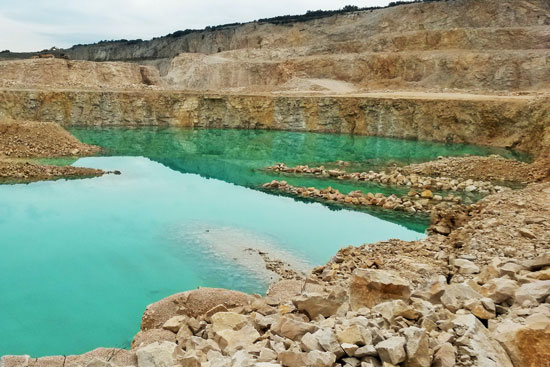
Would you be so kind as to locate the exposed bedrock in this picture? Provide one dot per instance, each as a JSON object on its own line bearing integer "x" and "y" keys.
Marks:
{"x": 430, "y": 17}
{"x": 521, "y": 123}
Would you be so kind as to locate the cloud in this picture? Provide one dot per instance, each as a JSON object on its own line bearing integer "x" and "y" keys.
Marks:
{"x": 39, "y": 24}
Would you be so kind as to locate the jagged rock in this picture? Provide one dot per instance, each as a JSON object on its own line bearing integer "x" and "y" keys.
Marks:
{"x": 350, "y": 349}
{"x": 327, "y": 339}
{"x": 192, "y": 359}
{"x": 293, "y": 359}
{"x": 191, "y": 303}
{"x": 366, "y": 351}
{"x": 174, "y": 323}
{"x": 310, "y": 342}
{"x": 392, "y": 350}
{"x": 315, "y": 304}
{"x": 146, "y": 337}
{"x": 536, "y": 291}
{"x": 202, "y": 345}
{"x": 164, "y": 354}
{"x": 230, "y": 340}
{"x": 477, "y": 338}
{"x": 291, "y": 328}
{"x": 499, "y": 289}
{"x": 267, "y": 355}
{"x": 417, "y": 347}
{"x": 228, "y": 320}
{"x": 353, "y": 334}
{"x": 393, "y": 309}
{"x": 320, "y": 359}
{"x": 466, "y": 266}
{"x": 242, "y": 358}
{"x": 526, "y": 345}
{"x": 445, "y": 356}
{"x": 370, "y": 287}
{"x": 184, "y": 333}
{"x": 456, "y": 294}
{"x": 537, "y": 263}
{"x": 484, "y": 310}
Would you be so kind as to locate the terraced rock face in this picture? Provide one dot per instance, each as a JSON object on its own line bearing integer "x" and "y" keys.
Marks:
{"x": 470, "y": 45}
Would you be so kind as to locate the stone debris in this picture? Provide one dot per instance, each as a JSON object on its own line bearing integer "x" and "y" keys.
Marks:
{"x": 395, "y": 177}
{"x": 411, "y": 203}
{"x": 383, "y": 319}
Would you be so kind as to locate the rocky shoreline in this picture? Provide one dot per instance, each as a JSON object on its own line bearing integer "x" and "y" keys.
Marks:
{"x": 395, "y": 177}
{"x": 414, "y": 202}
{"x": 479, "y": 296}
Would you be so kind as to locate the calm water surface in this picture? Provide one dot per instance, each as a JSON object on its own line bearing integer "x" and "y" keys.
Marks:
{"x": 82, "y": 258}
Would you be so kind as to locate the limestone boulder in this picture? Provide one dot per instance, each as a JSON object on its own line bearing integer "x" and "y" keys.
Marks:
{"x": 143, "y": 338}
{"x": 320, "y": 359}
{"x": 231, "y": 340}
{"x": 526, "y": 345}
{"x": 392, "y": 350}
{"x": 371, "y": 287}
{"x": 445, "y": 356}
{"x": 499, "y": 289}
{"x": 353, "y": 334}
{"x": 457, "y": 294}
{"x": 293, "y": 359}
{"x": 292, "y": 328}
{"x": 536, "y": 291}
{"x": 477, "y": 338}
{"x": 325, "y": 304}
{"x": 228, "y": 320}
{"x": 329, "y": 342}
{"x": 174, "y": 323}
{"x": 417, "y": 347}
{"x": 163, "y": 354}
{"x": 191, "y": 303}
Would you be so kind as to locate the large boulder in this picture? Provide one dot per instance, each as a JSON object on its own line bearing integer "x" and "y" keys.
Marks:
{"x": 231, "y": 340}
{"x": 535, "y": 291}
{"x": 476, "y": 337}
{"x": 292, "y": 328}
{"x": 228, "y": 320}
{"x": 417, "y": 347}
{"x": 146, "y": 337}
{"x": 371, "y": 287}
{"x": 191, "y": 303}
{"x": 325, "y": 304}
{"x": 527, "y": 345}
{"x": 457, "y": 294}
{"x": 164, "y": 354}
{"x": 392, "y": 350}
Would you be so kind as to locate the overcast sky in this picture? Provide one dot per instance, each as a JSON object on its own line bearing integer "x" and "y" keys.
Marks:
{"x": 30, "y": 25}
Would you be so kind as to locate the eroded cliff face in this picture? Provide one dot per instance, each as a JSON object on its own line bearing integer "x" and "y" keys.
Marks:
{"x": 59, "y": 73}
{"x": 352, "y": 27}
{"x": 516, "y": 122}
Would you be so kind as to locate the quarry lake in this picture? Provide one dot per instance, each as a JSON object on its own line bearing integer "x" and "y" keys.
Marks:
{"x": 81, "y": 259}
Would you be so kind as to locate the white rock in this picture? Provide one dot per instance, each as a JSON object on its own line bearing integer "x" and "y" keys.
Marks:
{"x": 165, "y": 354}
{"x": 392, "y": 350}
{"x": 320, "y": 359}
{"x": 228, "y": 320}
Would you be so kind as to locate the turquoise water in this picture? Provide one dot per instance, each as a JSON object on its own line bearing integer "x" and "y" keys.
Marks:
{"x": 82, "y": 258}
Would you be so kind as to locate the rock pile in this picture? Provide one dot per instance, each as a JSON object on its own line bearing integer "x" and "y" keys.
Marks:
{"x": 20, "y": 139}
{"x": 377, "y": 318}
{"x": 414, "y": 202}
{"x": 395, "y": 177}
